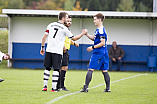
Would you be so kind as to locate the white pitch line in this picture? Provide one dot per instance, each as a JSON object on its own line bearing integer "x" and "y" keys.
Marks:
{"x": 60, "y": 97}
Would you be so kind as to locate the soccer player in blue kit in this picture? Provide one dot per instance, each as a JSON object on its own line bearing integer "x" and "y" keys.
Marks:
{"x": 99, "y": 59}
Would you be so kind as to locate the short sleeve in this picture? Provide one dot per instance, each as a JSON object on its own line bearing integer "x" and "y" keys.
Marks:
{"x": 102, "y": 33}
{"x": 47, "y": 30}
{"x": 68, "y": 33}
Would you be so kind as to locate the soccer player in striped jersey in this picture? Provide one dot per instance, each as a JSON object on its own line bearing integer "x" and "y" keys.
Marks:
{"x": 56, "y": 33}
{"x": 99, "y": 59}
{"x": 3, "y": 56}
{"x": 65, "y": 59}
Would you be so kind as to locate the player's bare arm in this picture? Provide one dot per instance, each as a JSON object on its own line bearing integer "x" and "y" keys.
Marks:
{"x": 73, "y": 43}
{"x": 102, "y": 43}
{"x": 80, "y": 35}
{"x": 91, "y": 37}
{"x": 42, "y": 51}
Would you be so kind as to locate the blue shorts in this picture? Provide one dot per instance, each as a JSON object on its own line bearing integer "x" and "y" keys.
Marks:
{"x": 99, "y": 61}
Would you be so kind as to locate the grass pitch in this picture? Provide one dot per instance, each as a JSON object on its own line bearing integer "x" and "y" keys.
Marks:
{"x": 23, "y": 86}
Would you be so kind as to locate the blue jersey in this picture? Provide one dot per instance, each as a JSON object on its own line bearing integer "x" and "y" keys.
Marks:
{"x": 99, "y": 59}
{"x": 100, "y": 32}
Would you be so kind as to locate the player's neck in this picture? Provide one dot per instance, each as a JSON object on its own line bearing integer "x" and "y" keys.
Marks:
{"x": 99, "y": 25}
{"x": 60, "y": 21}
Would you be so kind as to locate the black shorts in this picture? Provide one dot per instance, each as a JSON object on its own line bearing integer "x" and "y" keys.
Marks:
{"x": 53, "y": 59}
{"x": 65, "y": 59}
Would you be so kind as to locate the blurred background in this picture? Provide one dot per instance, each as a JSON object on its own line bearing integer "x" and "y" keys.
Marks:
{"x": 71, "y": 5}
{"x": 138, "y": 19}
{"x": 80, "y": 5}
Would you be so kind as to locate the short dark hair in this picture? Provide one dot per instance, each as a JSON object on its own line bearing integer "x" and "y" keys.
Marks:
{"x": 69, "y": 16}
{"x": 99, "y": 16}
{"x": 114, "y": 42}
{"x": 62, "y": 14}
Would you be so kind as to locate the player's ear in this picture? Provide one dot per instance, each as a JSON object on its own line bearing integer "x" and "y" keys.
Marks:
{"x": 99, "y": 19}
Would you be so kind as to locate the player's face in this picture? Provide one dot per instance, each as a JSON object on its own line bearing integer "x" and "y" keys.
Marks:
{"x": 96, "y": 21}
{"x": 65, "y": 19}
{"x": 69, "y": 22}
{"x": 5, "y": 57}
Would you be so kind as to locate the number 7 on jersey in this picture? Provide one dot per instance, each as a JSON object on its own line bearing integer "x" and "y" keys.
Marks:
{"x": 55, "y": 32}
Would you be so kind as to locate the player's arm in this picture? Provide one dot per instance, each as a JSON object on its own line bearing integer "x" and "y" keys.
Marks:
{"x": 77, "y": 37}
{"x": 84, "y": 31}
{"x": 73, "y": 43}
{"x": 91, "y": 37}
{"x": 102, "y": 43}
{"x": 42, "y": 51}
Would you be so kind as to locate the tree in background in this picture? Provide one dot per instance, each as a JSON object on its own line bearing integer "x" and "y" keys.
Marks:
{"x": 11, "y": 4}
{"x": 91, "y": 5}
{"x": 94, "y": 5}
{"x": 99, "y": 5}
{"x": 32, "y": 4}
{"x": 48, "y": 5}
{"x": 109, "y": 5}
{"x": 142, "y": 8}
{"x": 69, "y": 4}
{"x": 78, "y": 7}
{"x": 126, "y": 6}
{"x": 15, "y": 4}
{"x": 143, "y": 5}
{"x": 3, "y": 4}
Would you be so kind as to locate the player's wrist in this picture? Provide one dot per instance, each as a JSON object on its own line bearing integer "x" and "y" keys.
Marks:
{"x": 42, "y": 47}
{"x": 93, "y": 47}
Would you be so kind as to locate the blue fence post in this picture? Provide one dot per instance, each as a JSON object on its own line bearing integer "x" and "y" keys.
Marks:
{"x": 151, "y": 62}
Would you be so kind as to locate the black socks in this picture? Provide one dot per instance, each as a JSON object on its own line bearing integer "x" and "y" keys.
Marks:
{"x": 107, "y": 80}
{"x": 88, "y": 78}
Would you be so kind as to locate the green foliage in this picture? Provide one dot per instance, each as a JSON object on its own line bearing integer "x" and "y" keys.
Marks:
{"x": 91, "y": 5}
{"x": 94, "y": 4}
{"x": 30, "y": 2}
{"x": 3, "y": 4}
{"x": 51, "y": 5}
{"x": 143, "y": 5}
{"x": 3, "y": 22}
{"x": 15, "y": 4}
{"x": 23, "y": 86}
{"x": 112, "y": 5}
{"x": 11, "y": 4}
{"x": 69, "y": 4}
{"x": 103, "y": 5}
{"x": 126, "y": 6}
{"x": 4, "y": 41}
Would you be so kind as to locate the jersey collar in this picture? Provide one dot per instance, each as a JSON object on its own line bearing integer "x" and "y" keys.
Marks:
{"x": 101, "y": 27}
{"x": 60, "y": 23}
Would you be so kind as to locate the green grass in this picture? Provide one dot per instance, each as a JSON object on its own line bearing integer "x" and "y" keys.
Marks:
{"x": 4, "y": 41}
{"x": 23, "y": 86}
